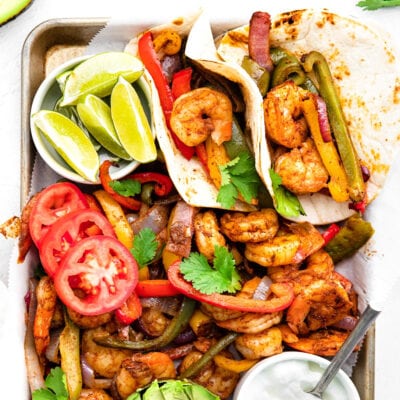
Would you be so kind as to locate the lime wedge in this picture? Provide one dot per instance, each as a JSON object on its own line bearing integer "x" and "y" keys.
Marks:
{"x": 62, "y": 79}
{"x": 70, "y": 142}
{"x": 98, "y": 74}
{"x": 96, "y": 116}
{"x": 131, "y": 123}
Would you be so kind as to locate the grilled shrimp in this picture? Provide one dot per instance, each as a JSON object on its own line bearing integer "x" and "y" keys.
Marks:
{"x": 290, "y": 246}
{"x": 88, "y": 322}
{"x": 94, "y": 394}
{"x": 105, "y": 361}
{"x": 154, "y": 321}
{"x": 301, "y": 169}
{"x": 46, "y": 305}
{"x": 284, "y": 120}
{"x": 140, "y": 370}
{"x": 254, "y": 227}
{"x": 207, "y": 234}
{"x": 216, "y": 379}
{"x": 200, "y": 113}
{"x": 264, "y": 344}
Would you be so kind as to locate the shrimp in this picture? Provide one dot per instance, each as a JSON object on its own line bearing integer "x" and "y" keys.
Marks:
{"x": 216, "y": 379}
{"x": 140, "y": 370}
{"x": 153, "y": 321}
{"x": 88, "y": 322}
{"x": 46, "y": 305}
{"x": 284, "y": 120}
{"x": 259, "y": 345}
{"x": 105, "y": 361}
{"x": 94, "y": 394}
{"x": 325, "y": 342}
{"x": 200, "y": 113}
{"x": 290, "y": 246}
{"x": 301, "y": 169}
{"x": 207, "y": 234}
{"x": 254, "y": 227}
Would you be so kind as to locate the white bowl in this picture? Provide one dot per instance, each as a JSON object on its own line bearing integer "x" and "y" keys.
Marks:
{"x": 285, "y": 376}
{"x": 45, "y": 99}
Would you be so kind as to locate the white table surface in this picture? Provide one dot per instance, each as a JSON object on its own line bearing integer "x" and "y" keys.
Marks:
{"x": 12, "y": 36}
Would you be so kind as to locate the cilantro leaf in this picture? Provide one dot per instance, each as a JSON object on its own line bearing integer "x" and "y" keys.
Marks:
{"x": 56, "y": 387}
{"x": 144, "y": 246}
{"x": 222, "y": 277}
{"x": 126, "y": 187}
{"x": 376, "y": 4}
{"x": 239, "y": 176}
{"x": 287, "y": 204}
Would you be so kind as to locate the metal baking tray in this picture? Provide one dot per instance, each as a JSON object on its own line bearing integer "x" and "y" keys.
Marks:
{"x": 55, "y": 41}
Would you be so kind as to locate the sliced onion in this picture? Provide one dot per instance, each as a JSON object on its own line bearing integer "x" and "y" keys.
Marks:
{"x": 34, "y": 371}
{"x": 323, "y": 119}
{"x": 347, "y": 323}
{"x": 263, "y": 289}
{"x": 52, "y": 350}
{"x": 185, "y": 337}
{"x": 366, "y": 174}
{"x": 88, "y": 377}
{"x": 156, "y": 218}
{"x": 167, "y": 305}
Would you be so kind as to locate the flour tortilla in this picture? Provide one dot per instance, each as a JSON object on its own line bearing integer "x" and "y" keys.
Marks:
{"x": 367, "y": 76}
{"x": 193, "y": 184}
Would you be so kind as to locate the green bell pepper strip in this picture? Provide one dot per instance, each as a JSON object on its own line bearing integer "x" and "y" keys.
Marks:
{"x": 177, "y": 324}
{"x": 196, "y": 367}
{"x": 260, "y": 75}
{"x": 316, "y": 62}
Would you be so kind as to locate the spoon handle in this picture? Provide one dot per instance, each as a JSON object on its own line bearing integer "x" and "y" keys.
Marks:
{"x": 365, "y": 321}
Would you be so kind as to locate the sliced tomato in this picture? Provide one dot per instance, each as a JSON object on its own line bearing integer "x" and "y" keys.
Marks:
{"x": 130, "y": 310}
{"x": 67, "y": 230}
{"x": 53, "y": 203}
{"x": 97, "y": 275}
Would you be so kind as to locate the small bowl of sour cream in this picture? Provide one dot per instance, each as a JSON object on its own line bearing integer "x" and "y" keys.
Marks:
{"x": 288, "y": 376}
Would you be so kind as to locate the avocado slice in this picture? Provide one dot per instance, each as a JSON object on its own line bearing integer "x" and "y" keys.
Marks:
{"x": 9, "y": 9}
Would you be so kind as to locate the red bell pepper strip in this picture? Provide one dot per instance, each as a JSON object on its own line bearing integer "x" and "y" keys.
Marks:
{"x": 163, "y": 183}
{"x": 150, "y": 60}
{"x": 181, "y": 82}
{"x": 283, "y": 295}
{"x": 201, "y": 153}
{"x": 330, "y": 233}
{"x": 105, "y": 179}
{"x": 156, "y": 288}
{"x": 130, "y": 311}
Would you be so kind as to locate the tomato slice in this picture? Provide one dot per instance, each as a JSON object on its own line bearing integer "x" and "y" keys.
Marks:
{"x": 130, "y": 310}
{"x": 97, "y": 275}
{"x": 67, "y": 230}
{"x": 53, "y": 203}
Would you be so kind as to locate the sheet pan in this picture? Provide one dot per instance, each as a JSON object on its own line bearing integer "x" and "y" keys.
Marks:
{"x": 56, "y": 40}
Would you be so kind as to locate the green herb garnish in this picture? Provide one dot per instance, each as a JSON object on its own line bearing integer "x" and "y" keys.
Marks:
{"x": 126, "y": 187}
{"x": 222, "y": 277}
{"x": 56, "y": 387}
{"x": 144, "y": 246}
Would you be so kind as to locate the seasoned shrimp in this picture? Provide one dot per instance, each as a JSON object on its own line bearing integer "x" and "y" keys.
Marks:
{"x": 46, "y": 305}
{"x": 140, "y": 370}
{"x": 254, "y": 227}
{"x": 88, "y": 321}
{"x": 264, "y": 344}
{"x": 94, "y": 394}
{"x": 200, "y": 113}
{"x": 284, "y": 120}
{"x": 302, "y": 170}
{"x": 290, "y": 246}
{"x": 153, "y": 321}
{"x": 207, "y": 234}
{"x": 105, "y": 361}
{"x": 216, "y": 379}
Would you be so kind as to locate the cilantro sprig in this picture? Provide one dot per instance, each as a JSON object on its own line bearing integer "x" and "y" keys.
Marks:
{"x": 239, "y": 176}
{"x": 126, "y": 187}
{"x": 376, "y": 4}
{"x": 56, "y": 387}
{"x": 221, "y": 277}
{"x": 144, "y": 246}
{"x": 287, "y": 204}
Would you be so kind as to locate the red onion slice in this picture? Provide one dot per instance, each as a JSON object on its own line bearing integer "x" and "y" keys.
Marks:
{"x": 263, "y": 289}
{"x": 323, "y": 119}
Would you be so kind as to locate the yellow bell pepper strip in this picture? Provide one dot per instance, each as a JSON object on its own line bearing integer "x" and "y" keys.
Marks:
{"x": 70, "y": 358}
{"x": 316, "y": 62}
{"x": 337, "y": 185}
{"x": 283, "y": 295}
{"x": 233, "y": 365}
{"x": 168, "y": 258}
{"x": 196, "y": 367}
{"x": 115, "y": 214}
{"x": 177, "y": 325}
{"x": 200, "y": 323}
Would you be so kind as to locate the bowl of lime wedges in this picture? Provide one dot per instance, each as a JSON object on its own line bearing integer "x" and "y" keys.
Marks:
{"x": 92, "y": 109}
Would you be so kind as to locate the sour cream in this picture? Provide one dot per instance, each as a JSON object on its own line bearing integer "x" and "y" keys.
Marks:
{"x": 288, "y": 376}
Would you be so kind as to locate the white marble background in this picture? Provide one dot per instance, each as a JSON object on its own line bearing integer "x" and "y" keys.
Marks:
{"x": 12, "y": 36}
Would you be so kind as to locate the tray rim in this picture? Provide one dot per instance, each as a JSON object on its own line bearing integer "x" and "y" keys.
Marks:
{"x": 364, "y": 380}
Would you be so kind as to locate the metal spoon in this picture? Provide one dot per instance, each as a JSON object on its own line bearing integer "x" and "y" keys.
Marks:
{"x": 366, "y": 320}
